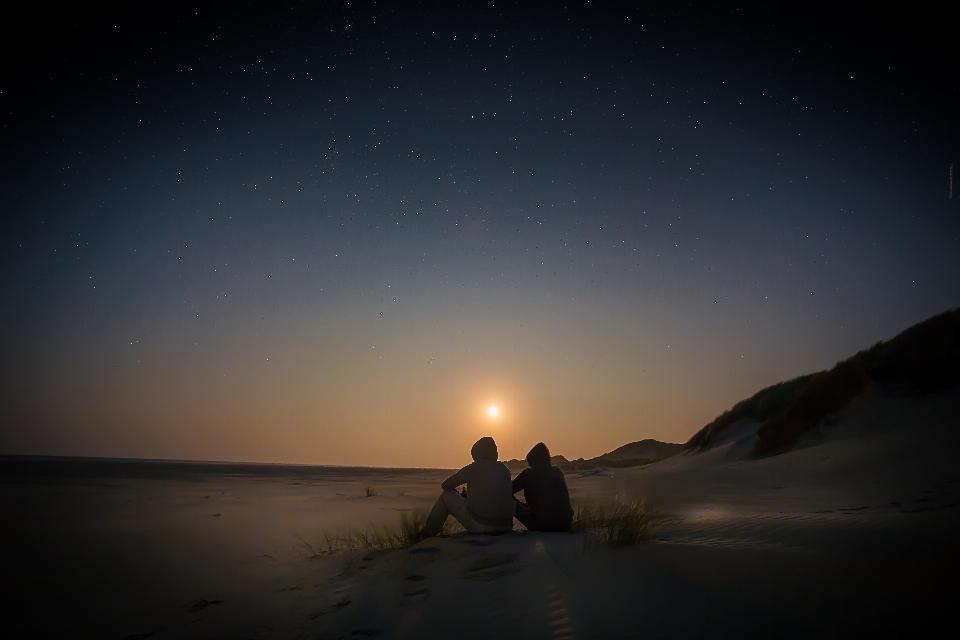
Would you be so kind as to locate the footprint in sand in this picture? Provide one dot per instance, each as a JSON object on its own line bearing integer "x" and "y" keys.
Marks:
{"x": 425, "y": 550}
{"x": 202, "y": 604}
{"x": 477, "y": 543}
{"x": 414, "y": 596}
{"x": 492, "y": 567}
{"x": 559, "y": 619}
{"x": 492, "y": 561}
{"x": 336, "y": 606}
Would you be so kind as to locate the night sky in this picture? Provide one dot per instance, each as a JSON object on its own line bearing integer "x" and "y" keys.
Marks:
{"x": 337, "y": 234}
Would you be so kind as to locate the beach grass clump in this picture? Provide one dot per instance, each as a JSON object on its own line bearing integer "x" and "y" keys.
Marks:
{"x": 382, "y": 537}
{"x": 616, "y": 524}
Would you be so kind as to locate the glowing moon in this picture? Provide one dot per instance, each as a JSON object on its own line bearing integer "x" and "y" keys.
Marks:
{"x": 493, "y": 411}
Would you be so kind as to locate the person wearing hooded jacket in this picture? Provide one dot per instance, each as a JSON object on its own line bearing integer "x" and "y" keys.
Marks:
{"x": 487, "y": 505}
{"x": 544, "y": 488}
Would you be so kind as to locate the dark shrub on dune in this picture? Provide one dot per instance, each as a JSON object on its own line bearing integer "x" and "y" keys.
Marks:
{"x": 821, "y": 395}
{"x": 763, "y": 405}
{"x": 923, "y": 359}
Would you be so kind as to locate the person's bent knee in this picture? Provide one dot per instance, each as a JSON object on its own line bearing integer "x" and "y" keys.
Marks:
{"x": 451, "y": 498}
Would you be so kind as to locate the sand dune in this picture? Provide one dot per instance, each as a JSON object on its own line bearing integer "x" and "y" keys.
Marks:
{"x": 922, "y": 360}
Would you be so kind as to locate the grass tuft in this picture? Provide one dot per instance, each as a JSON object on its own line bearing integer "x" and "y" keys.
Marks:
{"x": 383, "y": 537}
{"x": 617, "y": 524}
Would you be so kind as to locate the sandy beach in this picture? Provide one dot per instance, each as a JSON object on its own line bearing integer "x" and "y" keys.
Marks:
{"x": 854, "y": 532}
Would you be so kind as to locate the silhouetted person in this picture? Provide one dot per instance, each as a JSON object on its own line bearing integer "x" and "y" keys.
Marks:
{"x": 487, "y": 506}
{"x": 545, "y": 490}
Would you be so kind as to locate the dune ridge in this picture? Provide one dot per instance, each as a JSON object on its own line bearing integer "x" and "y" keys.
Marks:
{"x": 920, "y": 360}
{"x": 633, "y": 454}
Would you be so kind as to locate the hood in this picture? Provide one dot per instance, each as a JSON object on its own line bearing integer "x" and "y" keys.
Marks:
{"x": 539, "y": 456}
{"x": 484, "y": 449}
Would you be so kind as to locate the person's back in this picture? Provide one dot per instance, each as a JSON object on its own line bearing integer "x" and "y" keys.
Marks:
{"x": 488, "y": 488}
{"x": 488, "y": 506}
{"x": 545, "y": 492}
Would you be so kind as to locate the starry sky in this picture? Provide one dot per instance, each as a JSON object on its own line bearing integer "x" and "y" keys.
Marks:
{"x": 336, "y": 234}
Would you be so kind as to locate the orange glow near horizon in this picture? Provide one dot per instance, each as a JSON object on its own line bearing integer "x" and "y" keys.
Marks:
{"x": 308, "y": 397}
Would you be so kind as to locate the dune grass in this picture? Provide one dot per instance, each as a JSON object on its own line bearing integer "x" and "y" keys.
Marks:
{"x": 382, "y": 537}
{"x": 373, "y": 537}
{"x": 823, "y": 395}
{"x": 615, "y": 524}
{"x": 760, "y": 407}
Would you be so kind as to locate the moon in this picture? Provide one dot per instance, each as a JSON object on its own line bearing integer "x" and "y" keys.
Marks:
{"x": 493, "y": 411}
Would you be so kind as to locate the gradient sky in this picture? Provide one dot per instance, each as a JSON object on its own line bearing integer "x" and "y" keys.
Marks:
{"x": 335, "y": 235}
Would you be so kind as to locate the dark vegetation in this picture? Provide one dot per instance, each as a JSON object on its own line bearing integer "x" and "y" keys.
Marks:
{"x": 381, "y": 537}
{"x": 629, "y": 455}
{"x": 615, "y": 524}
{"x": 923, "y": 359}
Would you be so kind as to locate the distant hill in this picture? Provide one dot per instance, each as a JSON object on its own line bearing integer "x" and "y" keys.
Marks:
{"x": 922, "y": 359}
{"x": 629, "y": 455}
{"x": 644, "y": 449}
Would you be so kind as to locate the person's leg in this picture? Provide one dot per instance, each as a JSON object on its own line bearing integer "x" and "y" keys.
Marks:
{"x": 453, "y": 504}
{"x": 524, "y": 516}
{"x": 438, "y": 515}
{"x": 457, "y": 507}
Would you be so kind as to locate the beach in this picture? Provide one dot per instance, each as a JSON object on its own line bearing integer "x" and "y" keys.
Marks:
{"x": 853, "y": 532}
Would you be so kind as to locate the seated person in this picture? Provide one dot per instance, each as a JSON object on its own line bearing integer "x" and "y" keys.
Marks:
{"x": 487, "y": 506}
{"x": 548, "y": 501}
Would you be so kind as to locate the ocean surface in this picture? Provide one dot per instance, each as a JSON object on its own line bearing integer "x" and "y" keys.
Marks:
{"x": 64, "y": 467}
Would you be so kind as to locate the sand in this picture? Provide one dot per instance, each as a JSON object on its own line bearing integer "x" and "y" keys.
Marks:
{"x": 853, "y": 533}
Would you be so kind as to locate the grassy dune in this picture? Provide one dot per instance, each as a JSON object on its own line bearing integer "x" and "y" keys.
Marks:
{"x": 923, "y": 359}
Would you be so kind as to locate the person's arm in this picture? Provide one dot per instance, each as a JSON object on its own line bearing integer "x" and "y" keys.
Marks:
{"x": 520, "y": 482}
{"x": 457, "y": 479}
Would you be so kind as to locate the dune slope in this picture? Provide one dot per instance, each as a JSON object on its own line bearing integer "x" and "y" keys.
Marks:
{"x": 923, "y": 359}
